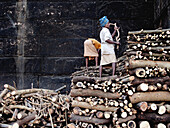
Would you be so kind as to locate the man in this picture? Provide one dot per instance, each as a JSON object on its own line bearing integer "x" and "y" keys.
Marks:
{"x": 107, "y": 45}
{"x": 91, "y": 49}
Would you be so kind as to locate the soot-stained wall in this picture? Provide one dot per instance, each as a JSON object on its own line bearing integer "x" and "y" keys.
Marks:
{"x": 41, "y": 42}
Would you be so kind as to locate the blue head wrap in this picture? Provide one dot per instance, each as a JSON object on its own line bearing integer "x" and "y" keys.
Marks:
{"x": 103, "y": 21}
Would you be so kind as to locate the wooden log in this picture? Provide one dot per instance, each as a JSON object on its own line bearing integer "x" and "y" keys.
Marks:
{"x": 98, "y": 93}
{"x": 5, "y": 125}
{"x": 90, "y": 126}
{"x": 161, "y": 110}
{"x": 152, "y": 106}
{"x": 142, "y": 87}
{"x": 23, "y": 121}
{"x": 95, "y": 121}
{"x": 153, "y": 117}
{"x": 27, "y": 91}
{"x": 122, "y": 120}
{"x": 20, "y": 107}
{"x": 155, "y": 80}
{"x": 160, "y": 125}
{"x": 131, "y": 124}
{"x": 144, "y": 124}
{"x": 139, "y": 72}
{"x": 107, "y": 115}
{"x": 99, "y": 114}
{"x": 142, "y": 106}
{"x": 150, "y": 96}
{"x": 148, "y": 31}
{"x": 76, "y": 110}
{"x": 97, "y": 107}
{"x": 9, "y": 87}
{"x": 71, "y": 125}
{"x": 167, "y": 108}
{"x": 148, "y": 63}
{"x": 3, "y": 93}
{"x": 21, "y": 115}
{"x": 168, "y": 125}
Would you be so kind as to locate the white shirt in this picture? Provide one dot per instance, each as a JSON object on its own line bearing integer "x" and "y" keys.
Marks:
{"x": 106, "y": 48}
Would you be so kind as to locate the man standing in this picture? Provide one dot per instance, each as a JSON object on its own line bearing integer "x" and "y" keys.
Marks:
{"x": 107, "y": 45}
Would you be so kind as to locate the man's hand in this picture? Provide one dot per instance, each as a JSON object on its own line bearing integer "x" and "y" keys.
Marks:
{"x": 118, "y": 43}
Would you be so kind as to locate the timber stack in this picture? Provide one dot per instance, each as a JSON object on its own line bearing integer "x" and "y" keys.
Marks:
{"x": 101, "y": 102}
{"x": 33, "y": 108}
{"x": 148, "y": 60}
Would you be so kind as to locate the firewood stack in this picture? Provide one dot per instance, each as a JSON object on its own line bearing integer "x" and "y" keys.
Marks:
{"x": 33, "y": 108}
{"x": 101, "y": 102}
{"x": 148, "y": 60}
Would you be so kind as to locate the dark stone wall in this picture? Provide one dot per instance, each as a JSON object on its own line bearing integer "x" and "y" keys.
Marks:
{"x": 162, "y": 13}
{"x": 41, "y": 42}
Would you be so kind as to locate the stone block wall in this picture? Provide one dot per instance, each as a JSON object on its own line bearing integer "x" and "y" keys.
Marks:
{"x": 41, "y": 42}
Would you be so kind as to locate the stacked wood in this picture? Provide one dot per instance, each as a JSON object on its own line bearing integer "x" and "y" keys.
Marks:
{"x": 33, "y": 108}
{"x": 148, "y": 60}
{"x": 101, "y": 101}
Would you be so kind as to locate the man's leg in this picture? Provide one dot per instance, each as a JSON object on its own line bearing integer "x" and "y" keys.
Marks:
{"x": 96, "y": 59}
{"x": 86, "y": 62}
{"x": 113, "y": 68}
{"x": 100, "y": 71}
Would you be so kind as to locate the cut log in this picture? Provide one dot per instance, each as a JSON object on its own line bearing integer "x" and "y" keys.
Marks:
{"x": 71, "y": 125}
{"x": 131, "y": 124}
{"x": 161, "y": 110}
{"x": 9, "y": 87}
{"x": 98, "y": 93}
{"x": 153, "y": 117}
{"x": 152, "y": 107}
{"x": 90, "y": 126}
{"x": 76, "y": 110}
{"x": 142, "y": 106}
{"x": 167, "y": 108}
{"x": 3, "y": 93}
{"x": 139, "y": 72}
{"x": 148, "y": 63}
{"x": 95, "y": 121}
{"x": 122, "y": 120}
{"x": 160, "y": 125}
{"x": 151, "y": 80}
{"x": 99, "y": 114}
{"x": 142, "y": 87}
{"x": 23, "y": 121}
{"x": 150, "y": 96}
{"x": 107, "y": 115}
{"x": 21, "y": 115}
{"x": 97, "y": 107}
{"x": 144, "y": 124}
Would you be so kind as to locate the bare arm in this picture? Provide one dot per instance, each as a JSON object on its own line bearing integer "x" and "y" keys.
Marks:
{"x": 112, "y": 42}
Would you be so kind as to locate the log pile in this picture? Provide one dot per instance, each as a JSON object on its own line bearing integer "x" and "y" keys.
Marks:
{"x": 148, "y": 60}
{"x": 101, "y": 102}
{"x": 33, "y": 108}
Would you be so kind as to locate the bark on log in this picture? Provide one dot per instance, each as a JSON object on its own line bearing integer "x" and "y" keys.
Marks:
{"x": 97, "y": 107}
{"x": 148, "y": 63}
{"x": 155, "y": 80}
{"x": 122, "y": 120}
{"x": 20, "y": 107}
{"x": 98, "y": 93}
{"x": 23, "y": 121}
{"x": 150, "y": 96}
{"x": 153, "y": 117}
{"x": 3, "y": 93}
{"x": 95, "y": 121}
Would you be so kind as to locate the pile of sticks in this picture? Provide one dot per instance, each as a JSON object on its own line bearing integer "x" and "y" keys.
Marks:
{"x": 33, "y": 108}
{"x": 148, "y": 60}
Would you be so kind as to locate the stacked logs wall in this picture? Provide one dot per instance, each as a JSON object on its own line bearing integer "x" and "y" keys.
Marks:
{"x": 148, "y": 59}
